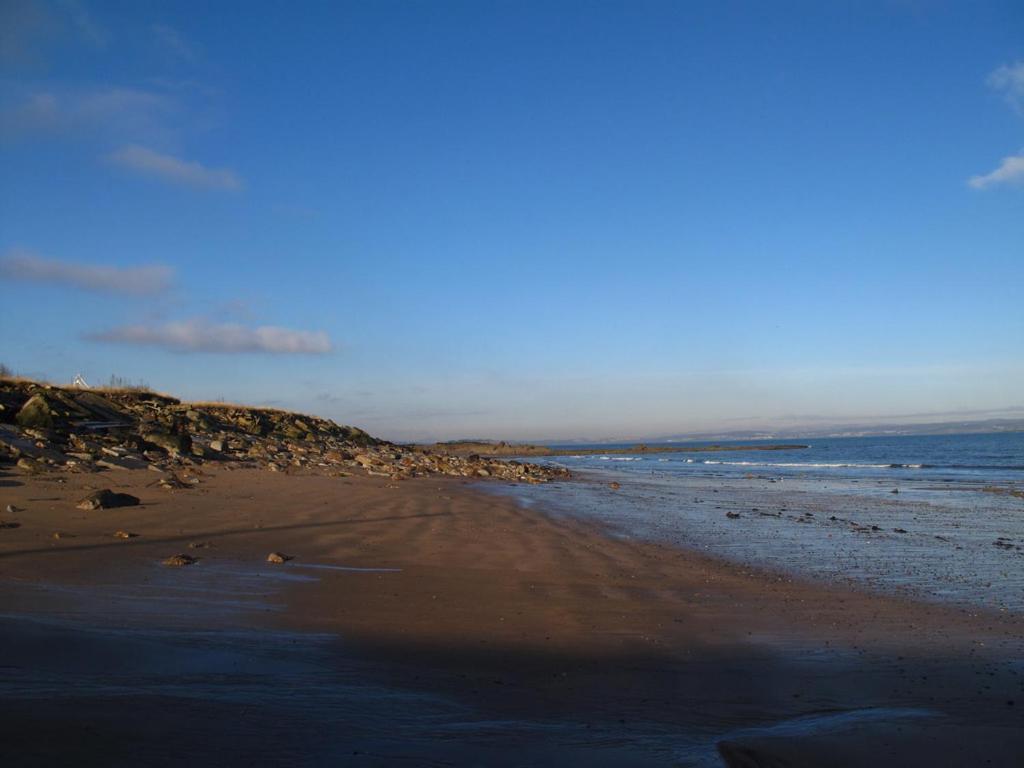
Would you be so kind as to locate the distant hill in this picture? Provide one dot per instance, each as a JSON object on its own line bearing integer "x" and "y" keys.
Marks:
{"x": 856, "y": 430}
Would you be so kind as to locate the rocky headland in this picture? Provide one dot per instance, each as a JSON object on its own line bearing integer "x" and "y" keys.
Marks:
{"x": 50, "y": 428}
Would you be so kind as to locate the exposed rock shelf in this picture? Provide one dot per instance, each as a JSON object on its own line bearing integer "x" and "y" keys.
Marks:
{"x": 48, "y": 428}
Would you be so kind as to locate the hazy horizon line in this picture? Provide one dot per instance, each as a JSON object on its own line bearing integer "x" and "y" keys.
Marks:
{"x": 851, "y": 428}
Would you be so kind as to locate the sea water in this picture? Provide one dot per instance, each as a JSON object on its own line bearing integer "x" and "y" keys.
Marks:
{"x": 938, "y": 516}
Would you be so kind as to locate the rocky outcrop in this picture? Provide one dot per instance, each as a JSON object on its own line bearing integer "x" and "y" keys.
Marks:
{"x": 174, "y": 443}
{"x": 45, "y": 428}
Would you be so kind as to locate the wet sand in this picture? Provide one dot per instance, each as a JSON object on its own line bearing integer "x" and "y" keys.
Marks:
{"x": 427, "y": 623}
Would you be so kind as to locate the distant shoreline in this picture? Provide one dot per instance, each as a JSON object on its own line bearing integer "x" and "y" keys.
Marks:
{"x": 510, "y": 449}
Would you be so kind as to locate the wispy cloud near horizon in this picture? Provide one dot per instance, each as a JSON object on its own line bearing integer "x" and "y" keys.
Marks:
{"x": 149, "y": 280}
{"x": 1010, "y": 171}
{"x": 224, "y": 338}
{"x": 173, "y": 169}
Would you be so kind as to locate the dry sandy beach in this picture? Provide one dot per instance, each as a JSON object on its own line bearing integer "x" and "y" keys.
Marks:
{"x": 428, "y": 622}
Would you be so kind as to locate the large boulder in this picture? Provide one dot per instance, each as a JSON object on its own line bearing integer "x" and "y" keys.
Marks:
{"x": 293, "y": 431}
{"x": 251, "y": 422}
{"x": 200, "y": 421}
{"x": 107, "y": 499}
{"x": 36, "y": 413}
{"x": 173, "y": 442}
{"x": 32, "y": 466}
{"x": 355, "y": 435}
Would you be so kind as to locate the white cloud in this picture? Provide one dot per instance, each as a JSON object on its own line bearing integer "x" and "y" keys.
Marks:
{"x": 174, "y": 169}
{"x": 112, "y": 113}
{"x": 1009, "y": 80}
{"x": 227, "y": 338}
{"x": 1010, "y": 171}
{"x": 21, "y": 264}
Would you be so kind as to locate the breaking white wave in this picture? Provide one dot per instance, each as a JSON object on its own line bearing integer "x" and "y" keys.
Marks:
{"x": 817, "y": 464}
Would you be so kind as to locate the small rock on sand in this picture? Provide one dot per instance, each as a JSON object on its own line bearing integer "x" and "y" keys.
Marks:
{"x": 62, "y": 535}
{"x": 124, "y": 535}
{"x": 179, "y": 560}
{"x": 107, "y": 499}
{"x": 279, "y": 558}
{"x": 732, "y": 515}
{"x": 614, "y": 486}
{"x": 13, "y": 510}
{"x": 31, "y": 466}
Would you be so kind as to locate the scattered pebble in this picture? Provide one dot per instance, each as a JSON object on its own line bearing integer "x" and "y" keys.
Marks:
{"x": 179, "y": 560}
{"x": 279, "y": 558}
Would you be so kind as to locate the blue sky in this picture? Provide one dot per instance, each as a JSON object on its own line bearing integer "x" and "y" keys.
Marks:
{"x": 524, "y": 220}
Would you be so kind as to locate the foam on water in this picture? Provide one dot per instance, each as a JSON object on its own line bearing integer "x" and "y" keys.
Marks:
{"x": 992, "y": 459}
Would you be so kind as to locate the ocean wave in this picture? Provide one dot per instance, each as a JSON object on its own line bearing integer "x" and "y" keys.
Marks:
{"x": 813, "y": 464}
{"x": 819, "y": 464}
{"x": 854, "y": 465}
{"x": 1015, "y": 467}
